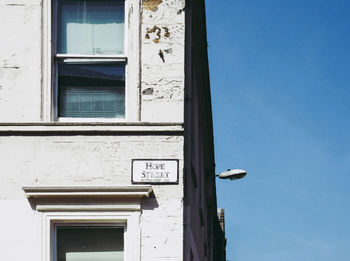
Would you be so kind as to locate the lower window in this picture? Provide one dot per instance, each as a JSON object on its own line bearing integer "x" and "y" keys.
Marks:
{"x": 89, "y": 242}
{"x": 91, "y": 90}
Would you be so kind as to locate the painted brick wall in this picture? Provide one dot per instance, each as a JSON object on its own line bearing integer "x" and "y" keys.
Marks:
{"x": 162, "y": 60}
{"x": 88, "y": 160}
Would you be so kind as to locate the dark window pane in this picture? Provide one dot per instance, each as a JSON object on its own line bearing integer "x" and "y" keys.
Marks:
{"x": 90, "y": 243}
{"x": 91, "y": 26}
{"x": 91, "y": 90}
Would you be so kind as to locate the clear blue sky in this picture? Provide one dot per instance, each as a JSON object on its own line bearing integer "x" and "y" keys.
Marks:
{"x": 280, "y": 79}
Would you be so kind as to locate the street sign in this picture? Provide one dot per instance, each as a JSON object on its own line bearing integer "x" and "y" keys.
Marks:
{"x": 162, "y": 171}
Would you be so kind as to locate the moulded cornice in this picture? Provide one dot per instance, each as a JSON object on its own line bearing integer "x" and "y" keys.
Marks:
{"x": 87, "y": 198}
{"x": 136, "y": 191}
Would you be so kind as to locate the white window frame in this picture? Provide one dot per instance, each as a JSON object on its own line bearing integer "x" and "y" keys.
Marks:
{"x": 64, "y": 205}
{"x": 131, "y": 57}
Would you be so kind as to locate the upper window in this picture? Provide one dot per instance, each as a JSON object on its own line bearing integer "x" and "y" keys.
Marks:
{"x": 90, "y": 59}
{"x": 91, "y": 27}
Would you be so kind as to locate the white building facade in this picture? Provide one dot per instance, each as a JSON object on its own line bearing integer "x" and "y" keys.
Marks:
{"x": 93, "y": 134}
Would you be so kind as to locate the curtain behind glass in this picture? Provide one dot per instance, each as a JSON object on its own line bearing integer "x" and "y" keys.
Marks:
{"x": 91, "y": 27}
{"x": 90, "y": 244}
{"x": 91, "y": 90}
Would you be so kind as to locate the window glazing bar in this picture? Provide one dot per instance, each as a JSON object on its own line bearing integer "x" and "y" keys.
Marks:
{"x": 81, "y": 56}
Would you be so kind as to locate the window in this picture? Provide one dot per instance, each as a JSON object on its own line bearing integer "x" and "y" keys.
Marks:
{"x": 89, "y": 242}
{"x": 90, "y": 59}
{"x": 89, "y": 223}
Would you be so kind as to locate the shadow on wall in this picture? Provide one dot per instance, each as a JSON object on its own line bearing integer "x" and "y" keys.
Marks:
{"x": 150, "y": 203}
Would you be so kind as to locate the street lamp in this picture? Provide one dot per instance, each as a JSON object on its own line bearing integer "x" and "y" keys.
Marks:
{"x": 232, "y": 174}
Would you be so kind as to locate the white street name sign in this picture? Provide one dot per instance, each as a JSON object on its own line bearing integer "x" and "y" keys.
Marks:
{"x": 155, "y": 171}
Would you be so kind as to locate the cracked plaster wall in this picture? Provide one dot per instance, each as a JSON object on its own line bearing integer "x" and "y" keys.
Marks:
{"x": 162, "y": 60}
{"x": 87, "y": 160}
{"x": 20, "y": 60}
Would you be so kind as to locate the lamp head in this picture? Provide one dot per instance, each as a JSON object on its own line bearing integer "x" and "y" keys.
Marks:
{"x": 232, "y": 174}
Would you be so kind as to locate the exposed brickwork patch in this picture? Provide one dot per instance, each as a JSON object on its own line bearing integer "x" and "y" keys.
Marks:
{"x": 151, "y": 5}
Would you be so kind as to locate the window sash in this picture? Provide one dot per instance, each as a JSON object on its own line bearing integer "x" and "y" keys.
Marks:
{"x": 91, "y": 90}
{"x": 89, "y": 58}
{"x": 91, "y": 27}
{"x": 131, "y": 56}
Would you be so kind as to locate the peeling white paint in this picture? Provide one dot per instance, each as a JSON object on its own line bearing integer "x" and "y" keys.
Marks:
{"x": 162, "y": 59}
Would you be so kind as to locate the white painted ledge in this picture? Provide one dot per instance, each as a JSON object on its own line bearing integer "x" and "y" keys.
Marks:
{"x": 91, "y": 127}
{"x": 83, "y": 191}
{"x": 79, "y": 207}
{"x": 86, "y": 198}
